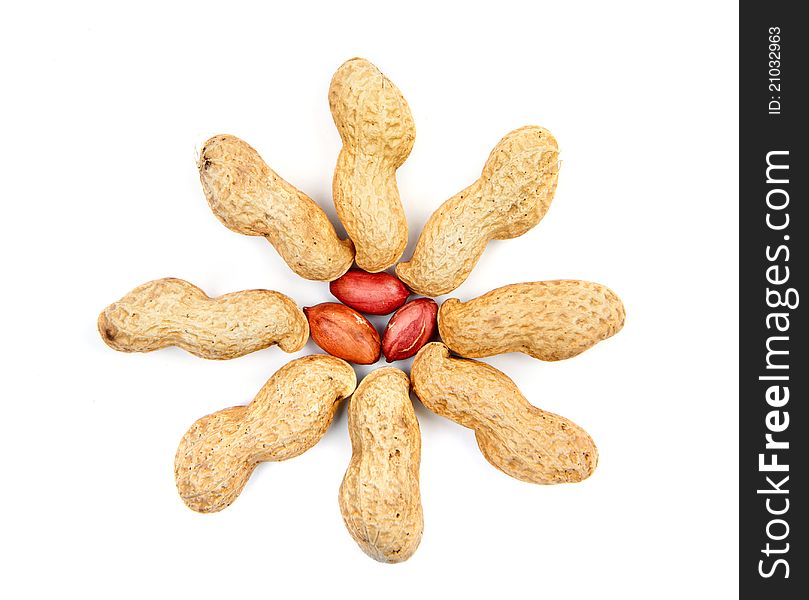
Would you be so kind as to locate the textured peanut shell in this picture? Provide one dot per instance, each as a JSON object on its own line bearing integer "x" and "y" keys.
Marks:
{"x": 288, "y": 416}
{"x": 378, "y": 133}
{"x": 250, "y": 198}
{"x": 549, "y": 320}
{"x": 521, "y": 440}
{"x": 379, "y": 497}
{"x": 511, "y": 196}
{"x": 173, "y": 312}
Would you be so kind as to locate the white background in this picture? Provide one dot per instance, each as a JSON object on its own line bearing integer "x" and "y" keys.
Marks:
{"x": 103, "y": 109}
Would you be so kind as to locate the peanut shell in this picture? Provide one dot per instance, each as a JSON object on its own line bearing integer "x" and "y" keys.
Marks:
{"x": 378, "y": 133}
{"x": 288, "y": 416}
{"x": 521, "y": 440}
{"x": 379, "y": 497}
{"x": 549, "y": 320}
{"x": 173, "y": 312}
{"x": 250, "y": 198}
{"x": 512, "y": 195}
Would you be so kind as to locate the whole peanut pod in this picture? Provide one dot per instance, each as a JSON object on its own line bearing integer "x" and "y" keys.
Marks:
{"x": 511, "y": 196}
{"x": 409, "y": 329}
{"x": 288, "y": 416}
{"x": 370, "y": 293}
{"x": 379, "y": 497}
{"x": 173, "y": 312}
{"x": 250, "y": 198}
{"x": 343, "y": 332}
{"x": 519, "y": 439}
{"x": 549, "y": 320}
{"x": 378, "y": 133}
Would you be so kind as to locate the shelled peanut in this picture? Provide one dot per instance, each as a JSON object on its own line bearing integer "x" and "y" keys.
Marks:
{"x": 370, "y": 293}
{"x": 343, "y": 332}
{"x": 409, "y": 329}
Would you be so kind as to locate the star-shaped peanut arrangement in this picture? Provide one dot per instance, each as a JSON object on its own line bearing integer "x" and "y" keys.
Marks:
{"x": 548, "y": 320}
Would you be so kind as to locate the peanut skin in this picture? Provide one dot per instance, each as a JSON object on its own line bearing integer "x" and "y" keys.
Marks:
{"x": 511, "y": 196}
{"x": 519, "y": 439}
{"x": 173, "y": 312}
{"x": 378, "y": 133}
{"x": 370, "y": 293}
{"x": 288, "y": 416}
{"x": 409, "y": 329}
{"x": 343, "y": 332}
{"x": 379, "y": 497}
{"x": 250, "y": 198}
{"x": 549, "y": 320}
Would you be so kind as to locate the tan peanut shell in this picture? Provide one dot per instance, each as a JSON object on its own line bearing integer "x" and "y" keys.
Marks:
{"x": 173, "y": 312}
{"x": 521, "y": 440}
{"x": 379, "y": 497}
{"x": 549, "y": 320}
{"x": 288, "y": 416}
{"x": 511, "y": 196}
{"x": 378, "y": 133}
{"x": 250, "y": 198}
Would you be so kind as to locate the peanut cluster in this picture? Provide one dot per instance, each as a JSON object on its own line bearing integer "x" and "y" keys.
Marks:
{"x": 550, "y": 320}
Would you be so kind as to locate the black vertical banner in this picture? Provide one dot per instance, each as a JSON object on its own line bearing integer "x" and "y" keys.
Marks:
{"x": 774, "y": 363}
